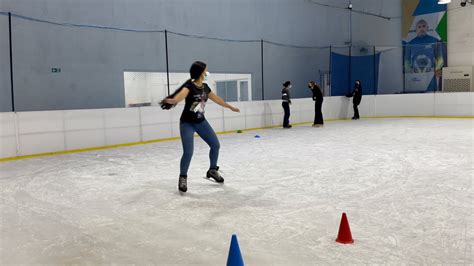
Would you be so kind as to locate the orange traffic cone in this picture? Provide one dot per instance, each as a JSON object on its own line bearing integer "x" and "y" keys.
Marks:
{"x": 344, "y": 236}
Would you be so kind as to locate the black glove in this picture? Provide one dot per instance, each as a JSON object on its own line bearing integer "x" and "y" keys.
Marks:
{"x": 165, "y": 105}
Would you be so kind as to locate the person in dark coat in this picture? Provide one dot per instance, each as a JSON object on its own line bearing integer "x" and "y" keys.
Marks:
{"x": 357, "y": 98}
{"x": 286, "y": 101}
{"x": 318, "y": 104}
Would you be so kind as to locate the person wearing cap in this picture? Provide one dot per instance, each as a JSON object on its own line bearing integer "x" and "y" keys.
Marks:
{"x": 357, "y": 94}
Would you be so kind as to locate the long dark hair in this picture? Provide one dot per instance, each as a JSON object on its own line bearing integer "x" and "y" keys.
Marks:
{"x": 195, "y": 71}
{"x": 314, "y": 86}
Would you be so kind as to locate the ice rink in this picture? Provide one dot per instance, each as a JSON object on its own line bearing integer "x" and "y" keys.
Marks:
{"x": 405, "y": 184}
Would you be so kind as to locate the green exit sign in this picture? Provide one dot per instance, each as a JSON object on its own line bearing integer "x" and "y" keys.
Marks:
{"x": 55, "y": 70}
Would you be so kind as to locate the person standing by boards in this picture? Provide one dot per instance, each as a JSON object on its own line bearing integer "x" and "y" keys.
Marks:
{"x": 357, "y": 98}
{"x": 286, "y": 101}
{"x": 318, "y": 104}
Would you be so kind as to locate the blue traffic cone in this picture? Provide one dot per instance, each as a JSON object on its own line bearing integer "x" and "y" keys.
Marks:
{"x": 235, "y": 258}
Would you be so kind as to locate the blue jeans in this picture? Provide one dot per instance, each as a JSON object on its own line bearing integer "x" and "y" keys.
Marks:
{"x": 206, "y": 132}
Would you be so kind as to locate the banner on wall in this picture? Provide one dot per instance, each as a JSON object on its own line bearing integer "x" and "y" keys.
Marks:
{"x": 363, "y": 68}
{"x": 424, "y": 30}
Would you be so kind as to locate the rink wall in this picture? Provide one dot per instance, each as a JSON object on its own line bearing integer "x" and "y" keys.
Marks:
{"x": 29, "y": 133}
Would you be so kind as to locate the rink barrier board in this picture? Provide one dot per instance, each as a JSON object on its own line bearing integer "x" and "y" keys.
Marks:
{"x": 6, "y": 159}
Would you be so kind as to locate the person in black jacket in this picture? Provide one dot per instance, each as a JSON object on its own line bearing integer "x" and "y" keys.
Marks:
{"x": 285, "y": 96}
{"x": 318, "y": 104}
{"x": 357, "y": 94}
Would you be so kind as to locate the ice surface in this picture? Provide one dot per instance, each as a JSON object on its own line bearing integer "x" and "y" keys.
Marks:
{"x": 405, "y": 184}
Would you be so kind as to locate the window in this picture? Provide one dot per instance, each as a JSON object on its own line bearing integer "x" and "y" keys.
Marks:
{"x": 148, "y": 88}
{"x": 233, "y": 90}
